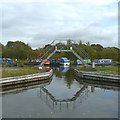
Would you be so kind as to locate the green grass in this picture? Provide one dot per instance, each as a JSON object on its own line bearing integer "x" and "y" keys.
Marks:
{"x": 19, "y": 71}
{"x": 116, "y": 62}
{"x": 105, "y": 70}
{"x": 71, "y": 62}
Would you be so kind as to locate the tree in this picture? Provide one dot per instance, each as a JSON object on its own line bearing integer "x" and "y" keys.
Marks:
{"x": 69, "y": 42}
{"x": 97, "y": 47}
{"x": 18, "y": 50}
{"x": 88, "y": 43}
{"x": 80, "y": 42}
{"x": 1, "y": 49}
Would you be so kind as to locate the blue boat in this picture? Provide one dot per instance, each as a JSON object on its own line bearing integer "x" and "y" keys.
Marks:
{"x": 103, "y": 61}
{"x": 64, "y": 61}
{"x": 78, "y": 62}
{"x": 6, "y": 60}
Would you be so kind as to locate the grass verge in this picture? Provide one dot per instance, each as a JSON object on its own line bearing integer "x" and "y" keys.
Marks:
{"x": 105, "y": 70}
{"x": 19, "y": 71}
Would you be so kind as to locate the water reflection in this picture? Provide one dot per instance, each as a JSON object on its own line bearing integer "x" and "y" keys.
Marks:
{"x": 84, "y": 89}
{"x": 58, "y": 104}
{"x": 69, "y": 77}
{"x": 66, "y": 72}
{"x": 63, "y": 69}
{"x": 60, "y": 97}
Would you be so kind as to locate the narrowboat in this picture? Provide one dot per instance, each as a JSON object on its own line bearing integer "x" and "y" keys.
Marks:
{"x": 103, "y": 61}
{"x": 37, "y": 62}
{"x": 78, "y": 62}
{"x": 7, "y": 62}
{"x": 46, "y": 63}
{"x": 33, "y": 62}
{"x": 64, "y": 62}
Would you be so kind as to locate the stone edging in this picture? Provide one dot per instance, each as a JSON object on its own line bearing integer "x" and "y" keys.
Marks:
{"x": 97, "y": 76}
{"x": 26, "y": 78}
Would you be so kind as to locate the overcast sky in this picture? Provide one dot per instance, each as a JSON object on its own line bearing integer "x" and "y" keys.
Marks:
{"x": 39, "y": 23}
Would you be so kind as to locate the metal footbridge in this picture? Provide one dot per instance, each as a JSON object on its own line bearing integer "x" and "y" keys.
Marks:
{"x": 64, "y": 46}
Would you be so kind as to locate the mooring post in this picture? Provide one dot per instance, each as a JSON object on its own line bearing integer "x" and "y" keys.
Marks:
{"x": 93, "y": 65}
{"x": 56, "y": 48}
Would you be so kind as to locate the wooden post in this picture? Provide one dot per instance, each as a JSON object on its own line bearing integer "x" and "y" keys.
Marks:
{"x": 92, "y": 89}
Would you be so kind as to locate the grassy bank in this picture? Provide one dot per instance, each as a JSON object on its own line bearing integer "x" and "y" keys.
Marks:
{"x": 19, "y": 71}
{"x": 105, "y": 70}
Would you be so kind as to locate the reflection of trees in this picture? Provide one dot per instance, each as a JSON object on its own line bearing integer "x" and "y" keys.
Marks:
{"x": 58, "y": 73}
{"x": 69, "y": 77}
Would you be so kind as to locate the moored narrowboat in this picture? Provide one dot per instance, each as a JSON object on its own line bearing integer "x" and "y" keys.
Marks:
{"x": 78, "y": 62}
{"x": 103, "y": 61}
{"x": 46, "y": 63}
{"x": 64, "y": 61}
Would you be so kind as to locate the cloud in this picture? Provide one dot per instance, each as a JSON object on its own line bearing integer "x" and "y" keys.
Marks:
{"x": 39, "y": 23}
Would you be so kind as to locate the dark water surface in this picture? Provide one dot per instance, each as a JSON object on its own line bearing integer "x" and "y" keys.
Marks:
{"x": 62, "y": 97}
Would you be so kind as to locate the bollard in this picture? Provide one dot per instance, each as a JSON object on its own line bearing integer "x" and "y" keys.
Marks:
{"x": 93, "y": 65}
{"x": 40, "y": 67}
{"x": 56, "y": 48}
{"x": 70, "y": 48}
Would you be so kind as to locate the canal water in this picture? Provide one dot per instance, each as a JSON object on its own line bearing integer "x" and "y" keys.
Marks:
{"x": 63, "y": 96}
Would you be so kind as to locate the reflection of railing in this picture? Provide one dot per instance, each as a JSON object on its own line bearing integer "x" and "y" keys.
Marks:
{"x": 64, "y": 100}
{"x": 57, "y": 104}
